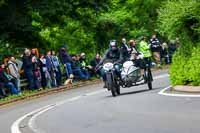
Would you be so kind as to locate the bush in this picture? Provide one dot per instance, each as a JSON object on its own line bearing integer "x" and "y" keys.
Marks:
{"x": 185, "y": 70}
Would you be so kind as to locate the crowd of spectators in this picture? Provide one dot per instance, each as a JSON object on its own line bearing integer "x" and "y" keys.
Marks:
{"x": 162, "y": 53}
{"x": 51, "y": 69}
{"x": 43, "y": 71}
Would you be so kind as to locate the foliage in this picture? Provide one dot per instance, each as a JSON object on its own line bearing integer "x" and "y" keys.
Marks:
{"x": 181, "y": 18}
{"x": 186, "y": 70}
{"x": 88, "y": 25}
{"x": 85, "y": 25}
{"x": 127, "y": 18}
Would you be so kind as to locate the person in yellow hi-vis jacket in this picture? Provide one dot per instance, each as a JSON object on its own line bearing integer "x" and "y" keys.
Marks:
{"x": 144, "y": 48}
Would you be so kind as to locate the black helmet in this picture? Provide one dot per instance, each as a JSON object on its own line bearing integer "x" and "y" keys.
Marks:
{"x": 113, "y": 43}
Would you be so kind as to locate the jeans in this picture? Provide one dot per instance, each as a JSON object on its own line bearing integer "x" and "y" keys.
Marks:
{"x": 80, "y": 74}
{"x": 12, "y": 88}
{"x": 86, "y": 73}
{"x": 30, "y": 78}
{"x": 58, "y": 76}
{"x": 53, "y": 78}
{"x": 17, "y": 84}
{"x": 2, "y": 91}
{"x": 68, "y": 69}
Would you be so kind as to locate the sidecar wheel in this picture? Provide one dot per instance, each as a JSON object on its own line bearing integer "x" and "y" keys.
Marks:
{"x": 150, "y": 85}
{"x": 118, "y": 90}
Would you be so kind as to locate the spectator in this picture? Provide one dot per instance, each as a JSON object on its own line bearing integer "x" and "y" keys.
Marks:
{"x": 85, "y": 67}
{"x": 35, "y": 53}
{"x": 164, "y": 54}
{"x": 156, "y": 49}
{"x": 56, "y": 68}
{"x": 6, "y": 80}
{"x": 36, "y": 73}
{"x": 28, "y": 68}
{"x": 50, "y": 69}
{"x": 14, "y": 72}
{"x": 2, "y": 91}
{"x": 172, "y": 48}
{"x": 94, "y": 62}
{"x": 66, "y": 61}
{"x": 135, "y": 55}
{"x": 46, "y": 78}
{"x": 145, "y": 50}
{"x": 76, "y": 66}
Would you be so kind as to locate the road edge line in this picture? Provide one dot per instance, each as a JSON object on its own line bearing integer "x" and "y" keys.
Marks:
{"x": 162, "y": 92}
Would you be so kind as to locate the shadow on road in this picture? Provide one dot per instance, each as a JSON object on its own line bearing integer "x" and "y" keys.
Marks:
{"x": 133, "y": 92}
{"x": 136, "y": 92}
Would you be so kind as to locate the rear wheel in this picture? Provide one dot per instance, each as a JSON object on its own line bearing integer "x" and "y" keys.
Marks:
{"x": 150, "y": 85}
{"x": 118, "y": 89}
{"x": 149, "y": 79}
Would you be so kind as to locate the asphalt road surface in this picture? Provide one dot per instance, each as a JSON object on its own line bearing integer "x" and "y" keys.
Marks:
{"x": 92, "y": 109}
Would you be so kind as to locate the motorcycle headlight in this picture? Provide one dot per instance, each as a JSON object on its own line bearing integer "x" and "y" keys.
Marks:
{"x": 108, "y": 66}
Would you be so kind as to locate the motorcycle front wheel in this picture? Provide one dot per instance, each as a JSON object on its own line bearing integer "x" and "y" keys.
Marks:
{"x": 111, "y": 85}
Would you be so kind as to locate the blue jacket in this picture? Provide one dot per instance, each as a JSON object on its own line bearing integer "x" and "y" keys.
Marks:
{"x": 49, "y": 64}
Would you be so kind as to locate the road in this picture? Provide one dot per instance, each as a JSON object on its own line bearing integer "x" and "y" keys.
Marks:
{"x": 92, "y": 109}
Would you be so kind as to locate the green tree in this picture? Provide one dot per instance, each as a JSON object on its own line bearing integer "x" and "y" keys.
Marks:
{"x": 181, "y": 18}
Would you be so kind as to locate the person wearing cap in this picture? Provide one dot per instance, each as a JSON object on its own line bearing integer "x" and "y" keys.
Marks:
{"x": 76, "y": 66}
{"x": 85, "y": 67}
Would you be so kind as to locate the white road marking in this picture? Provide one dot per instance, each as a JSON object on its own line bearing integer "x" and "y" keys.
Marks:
{"x": 15, "y": 126}
{"x": 32, "y": 123}
{"x": 162, "y": 92}
{"x": 37, "y": 112}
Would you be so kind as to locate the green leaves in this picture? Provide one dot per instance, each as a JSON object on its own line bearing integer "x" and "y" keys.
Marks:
{"x": 180, "y": 19}
{"x": 185, "y": 70}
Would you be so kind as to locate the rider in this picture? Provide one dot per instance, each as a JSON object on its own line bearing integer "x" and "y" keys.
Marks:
{"x": 124, "y": 51}
{"x": 112, "y": 55}
{"x": 135, "y": 55}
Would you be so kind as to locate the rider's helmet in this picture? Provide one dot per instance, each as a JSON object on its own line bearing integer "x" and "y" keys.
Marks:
{"x": 113, "y": 44}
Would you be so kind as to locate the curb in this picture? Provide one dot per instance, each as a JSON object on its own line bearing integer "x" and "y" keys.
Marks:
{"x": 50, "y": 91}
{"x": 187, "y": 89}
